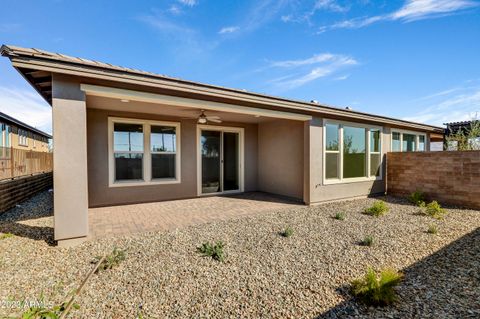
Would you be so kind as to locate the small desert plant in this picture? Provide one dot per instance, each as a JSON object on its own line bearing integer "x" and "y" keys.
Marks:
{"x": 287, "y": 232}
{"x": 40, "y": 311}
{"x": 377, "y": 289}
{"x": 432, "y": 229}
{"x": 417, "y": 198}
{"x": 340, "y": 216}
{"x": 213, "y": 250}
{"x": 6, "y": 235}
{"x": 367, "y": 241}
{"x": 378, "y": 208}
{"x": 111, "y": 260}
{"x": 433, "y": 209}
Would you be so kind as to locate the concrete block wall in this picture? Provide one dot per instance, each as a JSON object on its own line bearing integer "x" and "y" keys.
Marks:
{"x": 448, "y": 177}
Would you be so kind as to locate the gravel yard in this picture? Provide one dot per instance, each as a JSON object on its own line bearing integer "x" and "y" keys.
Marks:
{"x": 264, "y": 275}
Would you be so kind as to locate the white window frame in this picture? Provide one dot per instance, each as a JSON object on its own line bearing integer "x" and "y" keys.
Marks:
{"x": 417, "y": 140}
{"x": 340, "y": 179}
{"x": 147, "y": 153}
{"x": 22, "y": 137}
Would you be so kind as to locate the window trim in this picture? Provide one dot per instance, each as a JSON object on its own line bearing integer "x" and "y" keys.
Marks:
{"x": 147, "y": 159}
{"x": 340, "y": 179}
{"x": 22, "y": 137}
{"x": 417, "y": 140}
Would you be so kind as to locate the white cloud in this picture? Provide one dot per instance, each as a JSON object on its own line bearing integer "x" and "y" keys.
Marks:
{"x": 342, "y": 77}
{"x": 452, "y": 105}
{"x": 189, "y": 3}
{"x": 423, "y": 9}
{"x": 26, "y": 106}
{"x": 311, "y": 69}
{"x": 228, "y": 30}
{"x": 412, "y": 10}
{"x": 175, "y": 10}
{"x": 316, "y": 58}
{"x": 329, "y": 5}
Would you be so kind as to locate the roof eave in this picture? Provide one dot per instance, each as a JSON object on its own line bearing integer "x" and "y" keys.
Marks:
{"x": 77, "y": 69}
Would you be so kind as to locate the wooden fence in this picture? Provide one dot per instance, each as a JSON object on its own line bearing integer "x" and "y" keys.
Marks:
{"x": 17, "y": 162}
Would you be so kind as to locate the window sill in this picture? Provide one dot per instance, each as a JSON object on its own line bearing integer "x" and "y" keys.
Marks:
{"x": 351, "y": 180}
{"x": 143, "y": 183}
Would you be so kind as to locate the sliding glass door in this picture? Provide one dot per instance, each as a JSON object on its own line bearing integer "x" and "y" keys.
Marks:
{"x": 220, "y": 161}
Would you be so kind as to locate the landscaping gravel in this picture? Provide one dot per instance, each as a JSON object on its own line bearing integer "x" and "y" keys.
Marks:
{"x": 265, "y": 275}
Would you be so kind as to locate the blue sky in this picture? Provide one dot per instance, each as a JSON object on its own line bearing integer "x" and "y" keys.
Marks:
{"x": 411, "y": 59}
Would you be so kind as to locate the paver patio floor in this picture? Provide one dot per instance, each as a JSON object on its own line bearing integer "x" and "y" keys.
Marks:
{"x": 167, "y": 215}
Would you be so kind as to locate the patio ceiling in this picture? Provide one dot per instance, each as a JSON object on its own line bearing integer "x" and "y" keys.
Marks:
{"x": 106, "y": 98}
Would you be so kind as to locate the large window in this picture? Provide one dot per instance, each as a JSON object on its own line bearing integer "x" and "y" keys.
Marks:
{"x": 404, "y": 141}
{"x": 163, "y": 147}
{"x": 332, "y": 151}
{"x": 143, "y": 152}
{"x": 128, "y": 151}
{"x": 352, "y": 152}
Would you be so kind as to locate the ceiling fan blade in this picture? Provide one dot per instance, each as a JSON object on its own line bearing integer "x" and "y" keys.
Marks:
{"x": 213, "y": 117}
{"x": 215, "y": 120}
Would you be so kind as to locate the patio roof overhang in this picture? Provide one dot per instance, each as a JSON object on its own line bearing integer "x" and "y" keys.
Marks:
{"x": 139, "y": 96}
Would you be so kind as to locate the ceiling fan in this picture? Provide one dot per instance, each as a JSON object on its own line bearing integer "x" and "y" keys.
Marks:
{"x": 202, "y": 119}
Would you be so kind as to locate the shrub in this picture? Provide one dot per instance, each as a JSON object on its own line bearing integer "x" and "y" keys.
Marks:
{"x": 367, "y": 241}
{"x": 111, "y": 260}
{"x": 433, "y": 209}
{"x": 378, "y": 208}
{"x": 6, "y": 235}
{"x": 287, "y": 232}
{"x": 40, "y": 311}
{"x": 377, "y": 289}
{"x": 340, "y": 216}
{"x": 213, "y": 250}
{"x": 417, "y": 198}
{"x": 432, "y": 229}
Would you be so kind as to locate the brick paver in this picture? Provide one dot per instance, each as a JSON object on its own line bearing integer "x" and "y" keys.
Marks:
{"x": 127, "y": 219}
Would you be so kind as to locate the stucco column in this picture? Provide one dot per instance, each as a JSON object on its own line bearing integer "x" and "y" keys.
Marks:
{"x": 69, "y": 162}
{"x": 313, "y": 159}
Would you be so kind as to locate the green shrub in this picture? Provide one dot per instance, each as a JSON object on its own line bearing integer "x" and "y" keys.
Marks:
{"x": 6, "y": 235}
{"x": 340, "y": 216}
{"x": 378, "y": 208}
{"x": 42, "y": 312}
{"x": 111, "y": 260}
{"x": 417, "y": 198}
{"x": 213, "y": 250}
{"x": 432, "y": 229}
{"x": 434, "y": 210}
{"x": 367, "y": 241}
{"x": 377, "y": 289}
{"x": 287, "y": 232}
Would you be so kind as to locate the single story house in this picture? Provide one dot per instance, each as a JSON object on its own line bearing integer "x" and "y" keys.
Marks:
{"x": 18, "y": 135}
{"x": 126, "y": 136}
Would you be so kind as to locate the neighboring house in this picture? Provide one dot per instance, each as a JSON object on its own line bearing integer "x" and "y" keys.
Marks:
{"x": 18, "y": 135}
{"x": 126, "y": 136}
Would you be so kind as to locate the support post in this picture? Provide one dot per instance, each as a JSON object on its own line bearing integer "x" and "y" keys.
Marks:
{"x": 69, "y": 162}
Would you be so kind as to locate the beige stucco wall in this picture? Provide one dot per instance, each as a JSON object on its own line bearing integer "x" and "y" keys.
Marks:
{"x": 100, "y": 194}
{"x": 69, "y": 160}
{"x": 280, "y": 157}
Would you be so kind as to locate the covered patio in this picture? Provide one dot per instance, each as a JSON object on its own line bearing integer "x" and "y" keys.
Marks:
{"x": 168, "y": 215}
